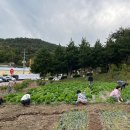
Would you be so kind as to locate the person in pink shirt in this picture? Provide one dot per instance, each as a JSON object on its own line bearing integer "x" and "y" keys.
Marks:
{"x": 116, "y": 94}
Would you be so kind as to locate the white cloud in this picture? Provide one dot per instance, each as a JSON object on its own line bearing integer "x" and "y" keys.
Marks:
{"x": 57, "y": 21}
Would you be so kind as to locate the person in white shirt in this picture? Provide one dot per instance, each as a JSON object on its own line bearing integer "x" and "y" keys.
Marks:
{"x": 81, "y": 98}
{"x": 25, "y": 100}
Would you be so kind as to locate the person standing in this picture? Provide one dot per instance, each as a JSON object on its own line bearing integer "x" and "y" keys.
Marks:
{"x": 10, "y": 86}
{"x": 90, "y": 79}
{"x": 25, "y": 100}
{"x": 1, "y": 100}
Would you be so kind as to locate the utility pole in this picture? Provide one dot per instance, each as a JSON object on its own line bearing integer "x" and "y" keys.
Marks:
{"x": 24, "y": 61}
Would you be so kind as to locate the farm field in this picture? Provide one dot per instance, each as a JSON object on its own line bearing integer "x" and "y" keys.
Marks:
{"x": 44, "y": 117}
{"x": 53, "y": 107}
{"x": 65, "y": 92}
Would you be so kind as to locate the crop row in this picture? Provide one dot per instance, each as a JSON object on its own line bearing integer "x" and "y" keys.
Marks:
{"x": 115, "y": 120}
{"x": 74, "y": 120}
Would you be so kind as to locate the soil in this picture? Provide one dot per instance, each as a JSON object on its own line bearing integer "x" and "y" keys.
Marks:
{"x": 43, "y": 117}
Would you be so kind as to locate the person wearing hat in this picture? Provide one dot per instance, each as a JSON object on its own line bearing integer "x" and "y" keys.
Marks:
{"x": 122, "y": 84}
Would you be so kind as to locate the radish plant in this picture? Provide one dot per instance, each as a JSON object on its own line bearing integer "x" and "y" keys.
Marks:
{"x": 115, "y": 120}
{"x": 74, "y": 120}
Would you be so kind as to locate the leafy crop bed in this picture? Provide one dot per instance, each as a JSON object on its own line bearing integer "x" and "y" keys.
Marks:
{"x": 115, "y": 120}
{"x": 65, "y": 92}
{"x": 74, "y": 120}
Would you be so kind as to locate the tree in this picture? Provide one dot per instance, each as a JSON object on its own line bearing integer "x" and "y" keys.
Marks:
{"x": 42, "y": 63}
{"x": 118, "y": 46}
{"x": 60, "y": 65}
{"x": 97, "y": 54}
{"x": 84, "y": 54}
{"x": 123, "y": 41}
{"x": 72, "y": 57}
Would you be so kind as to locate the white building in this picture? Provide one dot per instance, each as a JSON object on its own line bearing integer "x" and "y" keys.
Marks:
{"x": 16, "y": 71}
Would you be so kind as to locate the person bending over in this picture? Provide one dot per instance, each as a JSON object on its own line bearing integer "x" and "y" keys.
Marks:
{"x": 25, "y": 100}
{"x": 116, "y": 94}
{"x": 81, "y": 98}
{"x": 122, "y": 84}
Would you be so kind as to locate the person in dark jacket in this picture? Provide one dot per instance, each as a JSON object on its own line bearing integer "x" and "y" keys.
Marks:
{"x": 90, "y": 79}
{"x": 122, "y": 84}
{"x": 1, "y": 100}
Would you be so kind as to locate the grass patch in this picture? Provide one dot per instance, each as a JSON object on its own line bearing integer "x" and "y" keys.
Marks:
{"x": 22, "y": 85}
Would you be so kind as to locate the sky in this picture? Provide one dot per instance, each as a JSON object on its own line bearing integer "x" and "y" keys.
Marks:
{"x": 57, "y": 21}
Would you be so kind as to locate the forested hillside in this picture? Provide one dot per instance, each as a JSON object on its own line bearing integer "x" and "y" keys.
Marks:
{"x": 52, "y": 58}
{"x": 11, "y": 50}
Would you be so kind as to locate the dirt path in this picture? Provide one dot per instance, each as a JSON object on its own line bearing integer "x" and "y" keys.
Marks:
{"x": 42, "y": 117}
{"x": 94, "y": 120}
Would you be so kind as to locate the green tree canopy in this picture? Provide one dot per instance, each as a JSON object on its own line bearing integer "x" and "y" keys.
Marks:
{"x": 60, "y": 65}
{"x": 42, "y": 62}
{"x": 72, "y": 57}
{"x": 84, "y": 54}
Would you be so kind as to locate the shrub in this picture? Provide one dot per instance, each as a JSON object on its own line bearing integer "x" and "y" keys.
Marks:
{"x": 3, "y": 87}
{"x": 64, "y": 77}
{"x": 41, "y": 82}
{"x": 76, "y": 76}
{"x": 24, "y": 84}
{"x": 50, "y": 78}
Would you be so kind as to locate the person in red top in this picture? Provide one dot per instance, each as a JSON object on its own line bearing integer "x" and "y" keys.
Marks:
{"x": 116, "y": 94}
